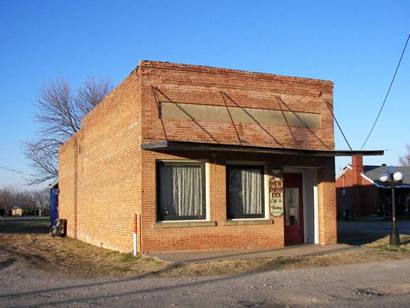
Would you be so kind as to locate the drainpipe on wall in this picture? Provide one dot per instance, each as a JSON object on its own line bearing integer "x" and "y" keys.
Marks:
{"x": 135, "y": 236}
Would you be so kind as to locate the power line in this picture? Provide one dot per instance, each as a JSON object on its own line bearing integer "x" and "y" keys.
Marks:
{"x": 338, "y": 125}
{"x": 387, "y": 93}
{"x": 15, "y": 171}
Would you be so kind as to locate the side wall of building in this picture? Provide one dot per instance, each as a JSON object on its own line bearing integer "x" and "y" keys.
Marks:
{"x": 99, "y": 171}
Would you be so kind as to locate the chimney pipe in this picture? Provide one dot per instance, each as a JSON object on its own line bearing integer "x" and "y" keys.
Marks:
{"x": 357, "y": 165}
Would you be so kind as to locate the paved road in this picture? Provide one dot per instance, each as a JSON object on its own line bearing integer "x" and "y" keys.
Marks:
{"x": 362, "y": 285}
{"x": 376, "y": 227}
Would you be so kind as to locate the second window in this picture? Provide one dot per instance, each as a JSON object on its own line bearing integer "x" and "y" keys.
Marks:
{"x": 245, "y": 191}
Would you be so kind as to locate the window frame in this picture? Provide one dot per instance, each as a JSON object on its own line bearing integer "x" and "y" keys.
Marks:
{"x": 262, "y": 174}
{"x": 201, "y": 165}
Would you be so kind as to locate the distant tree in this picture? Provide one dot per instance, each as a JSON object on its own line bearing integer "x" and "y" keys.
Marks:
{"x": 405, "y": 159}
{"x": 6, "y": 199}
{"x": 28, "y": 200}
{"x": 59, "y": 114}
{"x": 24, "y": 200}
{"x": 41, "y": 198}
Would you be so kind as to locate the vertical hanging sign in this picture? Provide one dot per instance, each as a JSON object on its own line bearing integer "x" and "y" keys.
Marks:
{"x": 276, "y": 193}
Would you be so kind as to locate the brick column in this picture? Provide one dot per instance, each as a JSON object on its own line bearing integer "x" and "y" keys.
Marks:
{"x": 327, "y": 203}
{"x": 218, "y": 191}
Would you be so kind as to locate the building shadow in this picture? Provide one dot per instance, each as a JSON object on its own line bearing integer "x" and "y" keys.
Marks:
{"x": 358, "y": 238}
{"x": 23, "y": 225}
{"x": 365, "y": 232}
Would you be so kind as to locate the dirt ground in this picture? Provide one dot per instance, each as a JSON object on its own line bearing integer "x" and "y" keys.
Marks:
{"x": 38, "y": 270}
{"x": 374, "y": 284}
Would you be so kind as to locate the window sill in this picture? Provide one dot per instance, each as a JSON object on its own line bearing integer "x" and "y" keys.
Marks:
{"x": 248, "y": 222}
{"x": 184, "y": 224}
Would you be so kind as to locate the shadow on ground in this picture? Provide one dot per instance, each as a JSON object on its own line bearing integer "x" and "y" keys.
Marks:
{"x": 24, "y": 226}
{"x": 358, "y": 239}
{"x": 365, "y": 232}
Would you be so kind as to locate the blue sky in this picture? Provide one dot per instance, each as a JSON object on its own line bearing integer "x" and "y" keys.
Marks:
{"x": 356, "y": 44}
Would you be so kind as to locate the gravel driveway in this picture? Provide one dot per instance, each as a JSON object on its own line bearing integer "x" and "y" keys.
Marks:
{"x": 371, "y": 284}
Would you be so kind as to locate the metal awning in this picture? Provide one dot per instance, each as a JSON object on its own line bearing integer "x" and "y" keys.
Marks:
{"x": 213, "y": 147}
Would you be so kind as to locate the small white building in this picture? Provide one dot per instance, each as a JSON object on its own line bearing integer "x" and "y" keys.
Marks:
{"x": 17, "y": 211}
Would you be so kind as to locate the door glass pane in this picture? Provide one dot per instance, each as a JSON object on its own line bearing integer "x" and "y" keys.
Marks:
{"x": 291, "y": 206}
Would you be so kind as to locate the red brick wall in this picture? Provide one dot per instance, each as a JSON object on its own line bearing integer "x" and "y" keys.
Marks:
{"x": 107, "y": 170}
{"x": 67, "y": 183}
{"x": 202, "y": 85}
{"x": 220, "y": 236}
{"x": 355, "y": 193}
{"x": 225, "y": 235}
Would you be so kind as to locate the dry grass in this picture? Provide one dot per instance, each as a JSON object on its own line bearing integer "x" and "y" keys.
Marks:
{"x": 39, "y": 250}
{"x": 29, "y": 243}
{"x": 383, "y": 244}
{"x": 238, "y": 266}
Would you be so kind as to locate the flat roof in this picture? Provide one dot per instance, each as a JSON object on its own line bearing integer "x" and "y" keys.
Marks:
{"x": 212, "y": 147}
{"x": 230, "y": 71}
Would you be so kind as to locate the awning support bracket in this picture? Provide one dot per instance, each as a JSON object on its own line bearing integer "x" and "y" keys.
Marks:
{"x": 230, "y": 116}
{"x": 187, "y": 114}
{"x": 159, "y": 110}
{"x": 286, "y": 119}
{"x": 304, "y": 124}
{"x": 256, "y": 121}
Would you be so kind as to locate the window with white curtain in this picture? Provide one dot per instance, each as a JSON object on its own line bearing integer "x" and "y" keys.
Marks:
{"x": 180, "y": 190}
{"x": 245, "y": 191}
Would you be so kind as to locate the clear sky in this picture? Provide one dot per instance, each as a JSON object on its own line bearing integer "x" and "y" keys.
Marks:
{"x": 356, "y": 44}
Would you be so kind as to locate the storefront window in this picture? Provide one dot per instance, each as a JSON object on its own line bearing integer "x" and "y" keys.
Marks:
{"x": 181, "y": 190}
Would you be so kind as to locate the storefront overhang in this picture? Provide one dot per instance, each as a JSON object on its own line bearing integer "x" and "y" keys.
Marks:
{"x": 177, "y": 146}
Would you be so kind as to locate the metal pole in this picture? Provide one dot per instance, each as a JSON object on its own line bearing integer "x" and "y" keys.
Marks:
{"x": 394, "y": 236}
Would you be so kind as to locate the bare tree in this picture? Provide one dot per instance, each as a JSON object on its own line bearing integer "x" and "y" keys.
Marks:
{"x": 24, "y": 199}
{"x": 41, "y": 198}
{"x": 405, "y": 159}
{"x": 28, "y": 200}
{"x": 60, "y": 111}
{"x": 6, "y": 199}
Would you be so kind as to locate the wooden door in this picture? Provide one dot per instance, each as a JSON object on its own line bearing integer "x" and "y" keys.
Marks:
{"x": 293, "y": 205}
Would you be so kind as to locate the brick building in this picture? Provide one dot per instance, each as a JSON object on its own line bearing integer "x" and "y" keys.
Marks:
{"x": 184, "y": 157}
{"x": 360, "y": 193}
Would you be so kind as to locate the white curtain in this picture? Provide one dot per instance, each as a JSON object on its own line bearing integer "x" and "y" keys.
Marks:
{"x": 245, "y": 191}
{"x": 181, "y": 192}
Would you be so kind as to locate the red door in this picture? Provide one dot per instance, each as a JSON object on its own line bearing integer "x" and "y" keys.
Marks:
{"x": 293, "y": 205}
